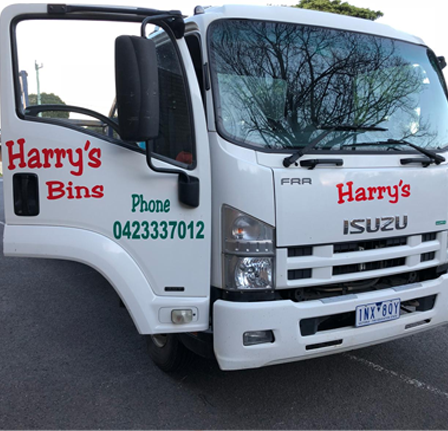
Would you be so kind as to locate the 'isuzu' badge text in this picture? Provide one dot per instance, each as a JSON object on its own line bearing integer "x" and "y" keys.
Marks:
{"x": 378, "y": 224}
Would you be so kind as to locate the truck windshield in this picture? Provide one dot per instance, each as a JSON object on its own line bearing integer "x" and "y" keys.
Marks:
{"x": 279, "y": 86}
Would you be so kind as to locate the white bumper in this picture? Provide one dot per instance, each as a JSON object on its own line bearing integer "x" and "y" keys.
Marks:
{"x": 232, "y": 319}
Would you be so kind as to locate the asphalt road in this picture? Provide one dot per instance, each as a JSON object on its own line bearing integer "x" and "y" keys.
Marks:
{"x": 70, "y": 358}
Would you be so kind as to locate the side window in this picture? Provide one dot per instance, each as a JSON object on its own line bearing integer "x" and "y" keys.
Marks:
{"x": 66, "y": 72}
{"x": 176, "y": 140}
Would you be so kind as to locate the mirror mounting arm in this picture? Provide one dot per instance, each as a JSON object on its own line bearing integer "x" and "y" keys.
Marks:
{"x": 188, "y": 186}
{"x": 151, "y": 165}
{"x": 174, "y": 21}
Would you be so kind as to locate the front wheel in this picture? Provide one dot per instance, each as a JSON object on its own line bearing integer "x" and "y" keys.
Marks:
{"x": 168, "y": 352}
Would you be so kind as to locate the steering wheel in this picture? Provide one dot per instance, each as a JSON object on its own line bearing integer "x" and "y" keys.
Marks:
{"x": 36, "y": 109}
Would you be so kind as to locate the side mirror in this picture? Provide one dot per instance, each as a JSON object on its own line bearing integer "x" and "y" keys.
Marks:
{"x": 442, "y": 62}
{"x": 137, "y": 88}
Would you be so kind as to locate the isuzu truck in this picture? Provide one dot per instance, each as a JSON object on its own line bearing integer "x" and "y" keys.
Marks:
{"x": 261, "y": 184}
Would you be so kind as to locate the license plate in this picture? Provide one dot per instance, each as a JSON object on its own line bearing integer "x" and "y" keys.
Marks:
{"x": 377, "y": 312}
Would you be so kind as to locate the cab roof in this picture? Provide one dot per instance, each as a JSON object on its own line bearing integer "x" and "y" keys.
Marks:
{"x": 305, "y": 17}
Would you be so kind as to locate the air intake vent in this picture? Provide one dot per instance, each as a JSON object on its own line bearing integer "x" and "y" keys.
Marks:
{"x": 429, "y": 237}
{"x": 347, "y": 247}
{"x": 368, "y": 266}
{"x": 299, "y": 274}
{"x": 425, "y": 257}
{"x": 300, "y": 251}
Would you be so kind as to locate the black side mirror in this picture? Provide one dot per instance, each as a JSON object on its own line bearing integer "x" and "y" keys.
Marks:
{"x": 137, "y": 88}
{"x": 442, "y": 62}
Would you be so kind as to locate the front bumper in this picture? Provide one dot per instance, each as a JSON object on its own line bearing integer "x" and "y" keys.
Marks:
{"x": 232, "y": 319}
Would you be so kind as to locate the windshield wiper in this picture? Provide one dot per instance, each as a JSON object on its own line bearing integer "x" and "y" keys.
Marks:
{"x": 433, "y": 157}
{"x": 288, "y": 161}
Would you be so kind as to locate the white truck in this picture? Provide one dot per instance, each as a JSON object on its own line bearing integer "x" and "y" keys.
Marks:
{"x": 270, "y": 185}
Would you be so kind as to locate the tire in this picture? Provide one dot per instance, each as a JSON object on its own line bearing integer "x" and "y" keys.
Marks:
{"x": 168, "y": 352}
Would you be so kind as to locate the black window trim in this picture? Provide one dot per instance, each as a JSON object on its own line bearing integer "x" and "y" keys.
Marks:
{"x": 202, "y": 85}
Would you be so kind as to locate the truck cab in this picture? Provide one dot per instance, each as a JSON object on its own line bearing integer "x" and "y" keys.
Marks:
{"x": 272, "y": 184}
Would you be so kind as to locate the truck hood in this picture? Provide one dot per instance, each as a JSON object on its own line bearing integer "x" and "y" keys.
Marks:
{"x": 328, "y": 205}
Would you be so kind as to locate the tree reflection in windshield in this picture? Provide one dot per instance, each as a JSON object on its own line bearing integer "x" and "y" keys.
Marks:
{"x": 278, "y": 84}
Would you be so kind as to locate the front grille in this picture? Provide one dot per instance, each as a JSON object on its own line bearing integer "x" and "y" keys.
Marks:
{"x": 357, "y": 265}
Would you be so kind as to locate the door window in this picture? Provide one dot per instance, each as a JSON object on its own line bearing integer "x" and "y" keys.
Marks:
{"x": 66, "y": 76}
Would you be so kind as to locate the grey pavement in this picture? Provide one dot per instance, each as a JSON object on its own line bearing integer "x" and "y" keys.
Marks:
{"x": 71, "y": 358}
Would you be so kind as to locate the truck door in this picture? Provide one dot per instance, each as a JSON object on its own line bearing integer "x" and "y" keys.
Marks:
{"x": 75, "y": 189}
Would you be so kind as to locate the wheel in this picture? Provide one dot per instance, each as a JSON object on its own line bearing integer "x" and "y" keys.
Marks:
{"x": 168, "y": 352}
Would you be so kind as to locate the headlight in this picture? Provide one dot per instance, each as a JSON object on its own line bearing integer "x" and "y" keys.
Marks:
{"x": 249, "y": 272}
{"x": 248, "y": 248}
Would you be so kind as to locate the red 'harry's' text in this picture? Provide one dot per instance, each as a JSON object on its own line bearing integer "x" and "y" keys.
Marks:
{"x": 347, "y": 193}
{"x": 77, "y": 159}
